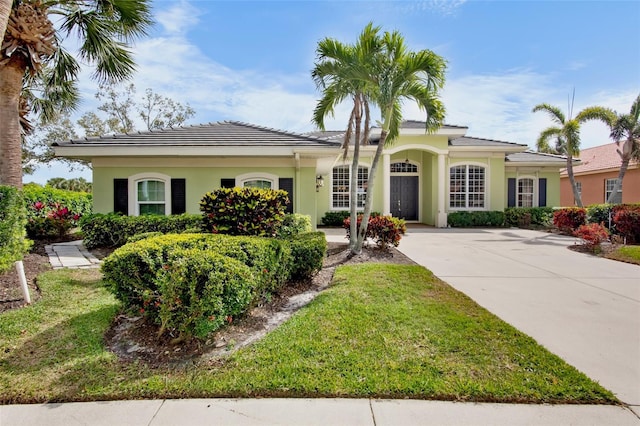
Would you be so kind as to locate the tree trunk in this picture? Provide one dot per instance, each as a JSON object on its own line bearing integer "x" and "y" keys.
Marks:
{"x": 11, "y": 75}
{"x": 369, "y": 200}
{"x": 353, "y": 184}
{"x": 618, "y": 186}
{"x": 5, "y": 11}
{"x": 576, "y": 195}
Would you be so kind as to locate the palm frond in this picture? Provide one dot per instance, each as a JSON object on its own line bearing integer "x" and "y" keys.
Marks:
{"x": 550, "y": 133}
{"x": 554, "y": 112}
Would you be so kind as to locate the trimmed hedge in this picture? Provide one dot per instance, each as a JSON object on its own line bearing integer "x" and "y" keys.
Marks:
{"x": 294, "y": 224}
{"x": 114, "y": 230}
{"x": 570, "y": 218}
{"x": 199, "y": 291}
{"x": 132, "y": 270}
{"x": 12, "y": 227}
{"x": 528, "y": 216}
{"x": 627, "y": 221}
{"x": 337, "y": 218}
{"x": 464, "y": 219}
{"x": 308, "y": 251}
{"x": 52, "y": 212}
{"x": 191, "y": 283}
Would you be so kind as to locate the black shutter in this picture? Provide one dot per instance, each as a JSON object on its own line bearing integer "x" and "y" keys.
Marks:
{"x": 511, "y": 192}
{"x": 178, "y": 196}
{"x": 542, "y": 192}
{"x": 286, "y": 184}
{"x": 121, "y": 196}
{"x": 227, "y": 183}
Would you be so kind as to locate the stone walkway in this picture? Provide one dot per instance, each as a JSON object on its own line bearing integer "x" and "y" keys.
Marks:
{"x": 72, "y": 255}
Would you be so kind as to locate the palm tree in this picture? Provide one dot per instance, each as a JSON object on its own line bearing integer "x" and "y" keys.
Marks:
{"x": 397, "y": 74}
{"x": 625, "y": 131}
{"x": 565, "y": 136}
{"x": 334, "y": 74}
{"x": 32, "y": 52}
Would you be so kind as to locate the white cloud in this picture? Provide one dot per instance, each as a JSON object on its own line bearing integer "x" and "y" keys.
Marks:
{"x": 177, "y": 19}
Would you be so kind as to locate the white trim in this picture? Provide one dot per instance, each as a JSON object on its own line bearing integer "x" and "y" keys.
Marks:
{"x": 418, "y": 174}
{"x": 134, "y": 206}
{"x": 241, "y": 179}
{"x": 535, "y": 184}
{"x": 348, "y": 166}
{"x": 417, "y": 147}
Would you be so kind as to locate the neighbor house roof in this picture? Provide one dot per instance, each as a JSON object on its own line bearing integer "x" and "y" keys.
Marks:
{"x": 598, "y": 158}
{"x": 224, "y": 133}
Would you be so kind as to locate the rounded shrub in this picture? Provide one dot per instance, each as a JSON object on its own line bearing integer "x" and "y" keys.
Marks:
{"x": 308, "y": 251}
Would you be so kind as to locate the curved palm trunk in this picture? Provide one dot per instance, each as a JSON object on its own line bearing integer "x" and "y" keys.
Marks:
{"x": 618, "y": 186}
{"x": 11, "y": 75}
{"x": 576, "y": 195}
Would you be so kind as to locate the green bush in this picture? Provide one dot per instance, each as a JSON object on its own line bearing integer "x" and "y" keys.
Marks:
{"x": 113, "y": 230}
{"x": 294, "y": 224}
{"x": 337, "y": 218}
{"x": 142, "y": 236}
{"x": 525, "y": 217}
{"x": 199, "y": 291}
{"x": 131, "y": 271}
{"x": 466, "y": 219}
{"x": 308, "y": 251}
{"x": 244, "y": 211}
{"x": 600, "y": 213}
{"x": 12, "y": 227}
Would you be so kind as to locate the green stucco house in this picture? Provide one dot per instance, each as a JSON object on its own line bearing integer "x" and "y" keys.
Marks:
{"x": 422, "y": 177}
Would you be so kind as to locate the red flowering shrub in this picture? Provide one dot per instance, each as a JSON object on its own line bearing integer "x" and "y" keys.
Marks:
{"x": 52, "y": 219}
{"x": 592, "y": 234}
{"x": 627, "y": 221}
{"x": 569, "y": 219}
{"x": 384, "y": 230}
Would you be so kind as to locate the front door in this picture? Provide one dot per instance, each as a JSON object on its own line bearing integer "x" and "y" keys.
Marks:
{"x": 404, "y": 197}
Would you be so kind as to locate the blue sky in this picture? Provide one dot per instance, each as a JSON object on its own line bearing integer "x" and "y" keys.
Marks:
{"x": 251, "y": 60}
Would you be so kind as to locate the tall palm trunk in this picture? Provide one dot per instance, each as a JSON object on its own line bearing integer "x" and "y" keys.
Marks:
{"x": 11, "y": 75}
{"x": 5, "y": 11}
{"x": 369, "y": 199}
{"x": 576, "y": 195}
{"x": 355, "y": 162}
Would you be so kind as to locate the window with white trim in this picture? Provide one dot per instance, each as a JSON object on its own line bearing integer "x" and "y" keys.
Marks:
{"x": 258, "y": 183}
{"x": 525, "y": 192}
{"x": 151, "y": 197}
{"x": 403, "y": 167}
{"x": 340, "y": 183}
{"x": 258, "y": 180}
{"x": 609, "y": 185}
{"x": 467, "y": 187}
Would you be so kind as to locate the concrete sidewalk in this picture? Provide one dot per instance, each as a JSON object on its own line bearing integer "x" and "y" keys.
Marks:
{"x": 321, "y": 412}
{"x": 72, "y": 254}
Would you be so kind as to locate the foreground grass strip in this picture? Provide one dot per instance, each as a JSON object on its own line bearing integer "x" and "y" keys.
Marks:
{"x": 630, "y": 254}
{"x": 380, "y": 331}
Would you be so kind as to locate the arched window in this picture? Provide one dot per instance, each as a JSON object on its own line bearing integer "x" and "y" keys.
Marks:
{"x": 258, "y": 180}
{"x": 467, "y": 187}
{"x": 340, "y": 183}
{"x": 151, "y": 194}
{"x": 403, "y": 167}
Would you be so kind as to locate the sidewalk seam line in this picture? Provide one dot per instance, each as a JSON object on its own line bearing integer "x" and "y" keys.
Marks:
{"x": 373, "y": 415}
{"x": 156, "y": 413}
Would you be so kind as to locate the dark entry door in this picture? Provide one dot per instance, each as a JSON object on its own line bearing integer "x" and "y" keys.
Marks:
{"x": 404, "y": 197}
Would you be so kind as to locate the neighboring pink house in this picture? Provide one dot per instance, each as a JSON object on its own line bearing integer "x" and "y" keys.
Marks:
{"x": 596, "y": 176}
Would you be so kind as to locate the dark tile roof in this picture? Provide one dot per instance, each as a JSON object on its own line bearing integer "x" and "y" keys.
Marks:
{"x": 471, "y": 141}
{"x": 535, "y": 157}
{"x": 224, "y": 133}
{"x": 415, "y": 124}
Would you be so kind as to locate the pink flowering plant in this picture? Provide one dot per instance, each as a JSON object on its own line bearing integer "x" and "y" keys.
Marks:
{"x": 50, "y": 219}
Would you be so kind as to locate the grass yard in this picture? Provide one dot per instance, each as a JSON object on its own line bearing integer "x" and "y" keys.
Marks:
{"x": 630, "y": 254}
{"x": 379, "y": 331}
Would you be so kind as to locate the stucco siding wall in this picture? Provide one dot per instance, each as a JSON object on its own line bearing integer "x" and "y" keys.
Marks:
{"x": 593, "y": 187}
{"x": 200, "y": 180}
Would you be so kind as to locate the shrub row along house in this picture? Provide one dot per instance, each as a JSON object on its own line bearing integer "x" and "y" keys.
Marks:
{"x": 423, "y": 176}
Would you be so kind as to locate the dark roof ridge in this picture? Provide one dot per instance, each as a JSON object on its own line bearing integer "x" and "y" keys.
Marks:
{"x": 277, "y": 131}
{"x": 490, "y": 140}
{"x": 547, "y": 154}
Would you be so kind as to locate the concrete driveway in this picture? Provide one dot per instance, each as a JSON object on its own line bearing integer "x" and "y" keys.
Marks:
{"x": 583, "y": 308}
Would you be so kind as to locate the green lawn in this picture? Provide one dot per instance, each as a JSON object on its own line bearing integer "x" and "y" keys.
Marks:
{"x": 380, "y": 331}
{"x": 629, "y": 254}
